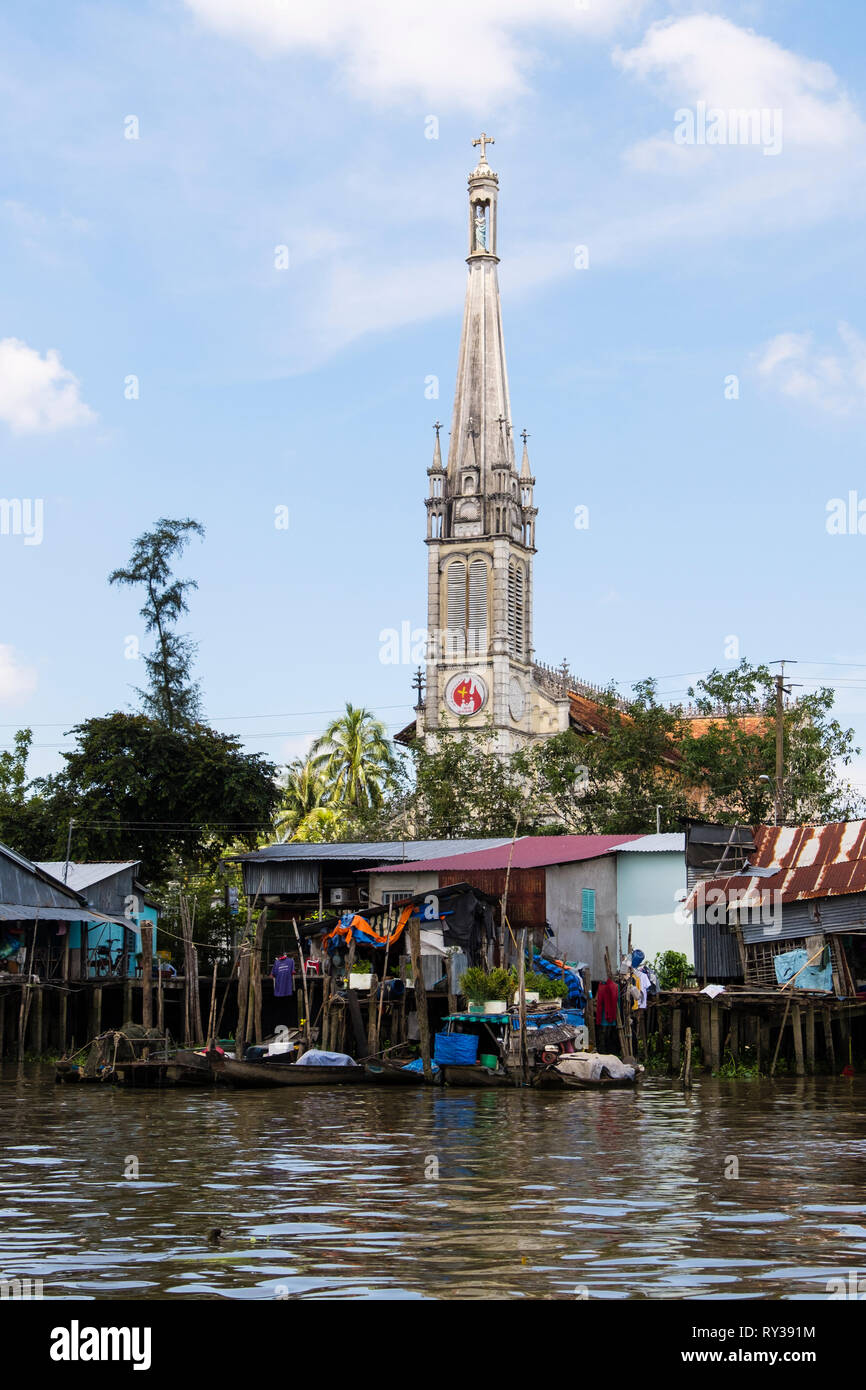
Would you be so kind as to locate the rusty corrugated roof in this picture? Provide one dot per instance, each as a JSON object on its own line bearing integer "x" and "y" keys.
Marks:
{"x": 815, "y": 861}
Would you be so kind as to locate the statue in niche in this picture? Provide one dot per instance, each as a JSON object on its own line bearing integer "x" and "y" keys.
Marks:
{"x": 480, "y": 229}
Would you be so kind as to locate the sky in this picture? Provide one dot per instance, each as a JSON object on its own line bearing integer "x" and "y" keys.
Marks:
{"x": 232, "y": 239}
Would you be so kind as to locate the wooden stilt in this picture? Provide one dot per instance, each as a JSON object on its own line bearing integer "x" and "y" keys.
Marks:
{"x": 127, "y": 1001}
{"x": 810, "y": 1038}
{"x": 735, "y": 1037}
{"x": 797, "y": 1027}
{"x": 326, "y": 1013}
{"x": 146, "y": 974}
{"x": 687, "y": 1061}
{"x": 590, "y": 1009}
{"x": 704, "y": 1026}
{"x": 372, "y": 1015}
{"x": 414, "y": 933}
{"x": 39, "y": 1022}
{"x": 828, "y": 1040}
{"x": 3, "y": 1023}
{"x": 676, "y": 1040}
{"x": 716, "y": 1036}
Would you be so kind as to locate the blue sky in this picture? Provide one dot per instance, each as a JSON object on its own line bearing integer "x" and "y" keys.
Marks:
{"x": 261, "y": 125}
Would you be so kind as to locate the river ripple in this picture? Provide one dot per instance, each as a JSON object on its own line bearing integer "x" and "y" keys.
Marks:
{"x": 323, "y": 1194}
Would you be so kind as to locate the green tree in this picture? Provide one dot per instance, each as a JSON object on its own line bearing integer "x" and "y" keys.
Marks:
{"x": 304, "y": 789}
{"x": 734, "y": 757}
{"x": 139, "y": 790}
{"x": 463, "y": 788}
{"x": 355, "y": 758}
{"x": 173, "y": 697}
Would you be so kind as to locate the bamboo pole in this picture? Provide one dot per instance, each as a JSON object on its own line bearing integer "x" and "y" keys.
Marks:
{"x": 521, "y": 1007}
{"x": 687, "y": 1061}
{"x": 384, "y": 983}
{"x": 304, "y": 983}
{"x": 211, "y": 1013}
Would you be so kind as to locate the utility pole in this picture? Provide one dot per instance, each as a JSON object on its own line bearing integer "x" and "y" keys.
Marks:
{"x": 781, "y": 691}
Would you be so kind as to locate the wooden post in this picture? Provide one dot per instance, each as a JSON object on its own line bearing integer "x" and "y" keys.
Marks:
{"x": 796, "y": 1025}
{"x": 735, "y": 1036}
{"x": 715, "y": 1036}
{"x": 704, "y": 1025}
{"x": 146, "y": 974}
{"x": 676, "y": 1040}
{"x": 521, "y": 1008}
{"x": 243, "y": 994}
{"x": 303, "y": 971}
{"x": 39, "y": 1022}
{"x": 828, "y": 1039}
{"x": 687, "y": 1061}
{"x": 326, "y": 1013}
{"x": 590, "y": 1008}
{"x": 3, "y": 1025}
{"x": 810, "y": 1038}
{"x": 781, "y": 1035}
{"x": 385, "y": 983}
{"x": 160, "y": 1003}
{"x": 211, "y": 1013}
{"x": 414, "y": 932}
{"x": 452, "y": 992}
{"x": 372, "y": 1002}
{"x": 127, "y": 1001}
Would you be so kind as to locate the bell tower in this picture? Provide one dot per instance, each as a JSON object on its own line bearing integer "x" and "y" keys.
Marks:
{"x": 481, "y": 525}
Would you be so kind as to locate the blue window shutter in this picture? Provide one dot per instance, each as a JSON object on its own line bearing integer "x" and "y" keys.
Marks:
{"x": 587, "y": 909}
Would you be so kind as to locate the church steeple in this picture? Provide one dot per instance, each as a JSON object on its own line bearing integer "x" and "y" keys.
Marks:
{"x": 481, "y": 524}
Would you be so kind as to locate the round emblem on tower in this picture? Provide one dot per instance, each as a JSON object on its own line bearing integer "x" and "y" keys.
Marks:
{"x": 466, "y": 693}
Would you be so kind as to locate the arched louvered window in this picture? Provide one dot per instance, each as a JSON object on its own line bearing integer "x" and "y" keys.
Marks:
{"x": 455, "y": 644}
{"x": 516, "y": 611}
{"x": 477, "y": 609}
{"x": 466, "y": 602}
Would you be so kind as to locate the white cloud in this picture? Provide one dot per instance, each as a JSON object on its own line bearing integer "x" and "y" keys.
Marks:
{"x": 16, "y": 681}
{"x": 38, "y": 394}
{"x": 833, "y": 380}
{"x": 707, "y": 58}
{"x": 449, "y": 53}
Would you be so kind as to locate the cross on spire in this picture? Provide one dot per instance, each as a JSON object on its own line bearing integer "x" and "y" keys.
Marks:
{"x": 437, "y": 427}
{"x": 524, "y": 435}
{"x": 484, "y": 140}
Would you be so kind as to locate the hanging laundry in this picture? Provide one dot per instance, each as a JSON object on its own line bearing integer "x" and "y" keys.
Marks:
{"x": 606, "y": 1002}
{"x": 283, "y": 972}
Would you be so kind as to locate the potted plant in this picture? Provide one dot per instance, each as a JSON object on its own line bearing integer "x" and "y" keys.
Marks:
{"x": 500, "y": 987}
{"x": 473, "y": 984}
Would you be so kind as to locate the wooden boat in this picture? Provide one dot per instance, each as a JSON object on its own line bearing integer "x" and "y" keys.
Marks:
{"x": 256, "y": 1074}
{"x": 475, "y": 1074}
{"x": 182, "y": 1067}
{"x": 552, "y": 1079}
{"x": 384, "y": 1071}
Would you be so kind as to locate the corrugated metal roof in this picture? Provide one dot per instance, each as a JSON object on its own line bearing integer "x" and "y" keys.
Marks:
{"x": 815, "y": 861}
{"x": 530, "y": 852}
{"x": 377, "y": 850}
{"x": 656, "y": 844}
{"x": 26, "y": 912}
{"x": 81, "y": 876}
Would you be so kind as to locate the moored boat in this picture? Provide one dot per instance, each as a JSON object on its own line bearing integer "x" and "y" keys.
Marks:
{"x": 475, "y": 1074}
{"x": 588, "y": 1071}
{"x": 264, "y": 1073}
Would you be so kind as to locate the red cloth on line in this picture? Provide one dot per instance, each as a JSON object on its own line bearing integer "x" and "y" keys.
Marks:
{"x": 606, "y": 1002}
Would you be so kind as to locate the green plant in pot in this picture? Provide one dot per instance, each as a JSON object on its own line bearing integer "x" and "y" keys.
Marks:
{"x": 473, "y": 984}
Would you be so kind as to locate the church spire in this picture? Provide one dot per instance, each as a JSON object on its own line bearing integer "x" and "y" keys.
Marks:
{"x": 481, "y": 458}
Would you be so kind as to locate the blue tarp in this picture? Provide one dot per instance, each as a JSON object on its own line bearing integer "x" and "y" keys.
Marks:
{"x": 418, "y": 1065}
{"x": 576, "y": 993}
{"x": 455, "y": 1049}
{"x": 815, "y": 976}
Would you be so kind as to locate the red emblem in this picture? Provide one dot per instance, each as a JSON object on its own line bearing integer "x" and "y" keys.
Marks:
{"x": 466, "y": 694}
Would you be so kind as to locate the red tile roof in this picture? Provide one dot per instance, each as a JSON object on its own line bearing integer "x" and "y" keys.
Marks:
{"x": 530, "y": 852}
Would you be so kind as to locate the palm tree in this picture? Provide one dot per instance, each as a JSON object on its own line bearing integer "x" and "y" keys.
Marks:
{"x": 304, "y": 790}
{"x": 355, "y": 757}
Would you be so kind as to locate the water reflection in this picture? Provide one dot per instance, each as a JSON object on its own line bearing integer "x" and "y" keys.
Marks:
{"x": 335, "y": 1193}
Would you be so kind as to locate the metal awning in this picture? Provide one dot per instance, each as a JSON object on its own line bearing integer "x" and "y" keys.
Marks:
{"x": 26, "y": 912}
